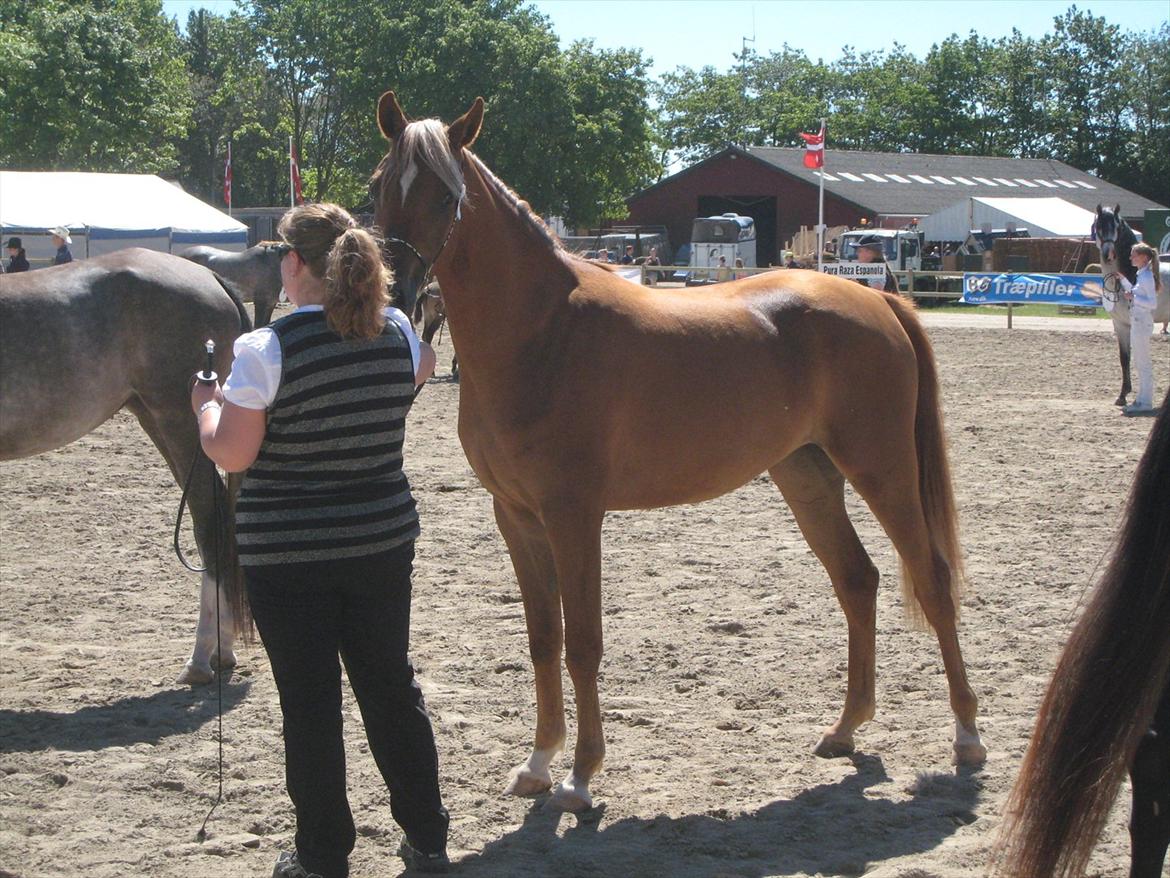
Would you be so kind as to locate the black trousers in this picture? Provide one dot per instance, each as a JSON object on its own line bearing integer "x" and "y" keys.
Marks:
{"x": 307, "y": 615}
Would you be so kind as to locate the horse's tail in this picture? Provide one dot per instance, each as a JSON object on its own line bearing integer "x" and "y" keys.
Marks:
{"x": 237, "y": 300}
{"x": 232, "y": 574}
{"x": 934, "y": 472}
{"x": 1103, "y": 693}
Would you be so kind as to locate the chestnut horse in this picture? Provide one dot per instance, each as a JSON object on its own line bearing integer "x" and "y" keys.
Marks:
{"x": 1108, "y": 705}
{"x": 583, "y": 392}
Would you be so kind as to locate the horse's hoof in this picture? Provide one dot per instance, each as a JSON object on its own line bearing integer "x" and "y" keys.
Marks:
{"x": 1120, "y": 400}
{"x": 969, "y": 753}
{"x": 570, "y": 795}
{"x": 195, "y": 675}
{"x": 832, "y": 746}
{"x": 527, "y": 783}
{"x": 224, "y": 664}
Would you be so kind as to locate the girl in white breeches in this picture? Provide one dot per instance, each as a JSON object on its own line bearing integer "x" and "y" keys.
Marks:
{"x": 1143, "y": 299}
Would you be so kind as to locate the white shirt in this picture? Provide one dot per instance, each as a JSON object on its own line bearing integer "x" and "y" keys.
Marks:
{"x": 255, "y": 375}
{"x": 1145, "y": 295}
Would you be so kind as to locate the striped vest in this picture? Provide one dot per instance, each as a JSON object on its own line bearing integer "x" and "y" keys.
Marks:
{"x": 328, "y": 481}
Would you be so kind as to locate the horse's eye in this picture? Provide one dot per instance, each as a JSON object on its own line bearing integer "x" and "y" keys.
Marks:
{"x": 448, "y": 199}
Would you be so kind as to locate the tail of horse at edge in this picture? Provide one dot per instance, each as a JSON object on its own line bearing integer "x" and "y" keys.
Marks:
{"x": 1111, "y": 685}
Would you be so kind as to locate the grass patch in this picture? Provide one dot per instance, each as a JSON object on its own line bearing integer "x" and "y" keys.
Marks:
{"x": 1028, "y": 310}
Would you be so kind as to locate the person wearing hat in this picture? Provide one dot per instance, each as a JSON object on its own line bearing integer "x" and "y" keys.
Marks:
{"x": 869, "y": 250}
{"x": 61, "y": 241}
{"x": 17, "y": 261}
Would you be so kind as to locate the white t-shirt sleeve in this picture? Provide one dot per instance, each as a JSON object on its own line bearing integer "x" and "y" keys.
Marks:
{"x": 255, "y": 375}
{"x": 403, "y": 322}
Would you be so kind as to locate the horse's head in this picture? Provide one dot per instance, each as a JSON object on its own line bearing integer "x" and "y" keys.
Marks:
{"x": 418, "y": 189}
{"x": 1114, "y": 239}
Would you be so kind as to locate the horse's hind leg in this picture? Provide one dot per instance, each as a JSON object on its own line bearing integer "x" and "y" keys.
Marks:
{"x": 175, "y": 436}
{"x": 892, "y": 495}
{"x": 815, "y": 490}
{"x": 1149, "y": 821}
{"x": 532, "y": 560}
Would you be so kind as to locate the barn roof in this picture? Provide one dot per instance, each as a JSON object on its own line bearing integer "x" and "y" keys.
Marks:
{"x": 919, "y": 184}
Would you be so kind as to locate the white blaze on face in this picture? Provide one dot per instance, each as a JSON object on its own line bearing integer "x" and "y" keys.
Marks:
{"x": 407, "y": 177}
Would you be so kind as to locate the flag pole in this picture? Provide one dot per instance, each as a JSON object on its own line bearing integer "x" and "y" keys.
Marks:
{"x": 291, "y": 195}
{"x": 229, "y": 162}
{"x": 821, "y": 206}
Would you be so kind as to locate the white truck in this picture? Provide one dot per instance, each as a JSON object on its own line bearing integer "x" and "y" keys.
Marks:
{"x": 728, "y": 237}
{"x": 902, "y": 248}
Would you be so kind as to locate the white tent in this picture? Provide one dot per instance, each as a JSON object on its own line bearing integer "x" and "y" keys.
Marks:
{"x": 1042, "y": 217}
{"x": 106, "y": 212}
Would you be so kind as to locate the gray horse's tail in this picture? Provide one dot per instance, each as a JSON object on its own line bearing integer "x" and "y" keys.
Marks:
{"x": 233, "y": 574}
{"x": 233, "y": 291}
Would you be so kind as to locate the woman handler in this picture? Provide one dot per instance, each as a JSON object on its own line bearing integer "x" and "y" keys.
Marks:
{"x": 315, "y": 410}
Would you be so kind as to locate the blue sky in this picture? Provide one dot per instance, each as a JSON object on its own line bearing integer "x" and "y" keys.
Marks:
{"x": 695, "y": 33}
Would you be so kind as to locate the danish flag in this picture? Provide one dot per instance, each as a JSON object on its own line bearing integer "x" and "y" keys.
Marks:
{"x": 814, "y": 148}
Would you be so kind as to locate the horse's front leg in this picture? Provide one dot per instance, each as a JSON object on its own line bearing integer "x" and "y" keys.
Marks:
{"x": 1123, "y": 355}
{"x": 574, "y": 533}
{"x": 532, "y": 560}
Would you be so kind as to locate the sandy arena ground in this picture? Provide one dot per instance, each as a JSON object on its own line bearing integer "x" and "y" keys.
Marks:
{"x": 725, "y": 656}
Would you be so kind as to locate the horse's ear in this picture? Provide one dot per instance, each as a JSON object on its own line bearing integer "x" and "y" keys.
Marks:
{"x": 463, "y": 131}
{"x": 1117, "y": 211}
{"x": 391, "y": 119}
{"x": 1098, "y": 210}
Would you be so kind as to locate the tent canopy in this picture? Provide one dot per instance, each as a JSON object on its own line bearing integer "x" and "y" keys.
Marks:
{"x": 1042, "y": 217}
{"x": 112, "y": 211}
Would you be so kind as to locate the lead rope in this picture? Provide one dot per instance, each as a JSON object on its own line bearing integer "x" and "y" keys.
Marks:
{"x": 208, "y": 376}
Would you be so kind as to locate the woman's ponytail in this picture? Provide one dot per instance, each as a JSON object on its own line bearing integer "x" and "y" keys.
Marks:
{"x": 349, "y": 260}
{"x": 359, "y": 285}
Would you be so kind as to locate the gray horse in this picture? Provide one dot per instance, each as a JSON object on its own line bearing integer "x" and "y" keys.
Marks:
{"x": 1114, "y": 238}
{"x": 255, "y": 272}
{"x": 80, "y": 341}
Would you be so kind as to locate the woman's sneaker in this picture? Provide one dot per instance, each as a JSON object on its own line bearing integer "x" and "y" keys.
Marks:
{"x": 289, "y": 866}
{"x": 420, "y": 862}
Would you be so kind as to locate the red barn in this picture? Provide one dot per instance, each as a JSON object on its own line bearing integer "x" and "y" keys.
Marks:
{"x": 773, "y": 186}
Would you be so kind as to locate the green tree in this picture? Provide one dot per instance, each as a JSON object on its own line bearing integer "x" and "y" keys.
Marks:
{"x": 1143, "y": 163}
{"x": 97, "y": 85}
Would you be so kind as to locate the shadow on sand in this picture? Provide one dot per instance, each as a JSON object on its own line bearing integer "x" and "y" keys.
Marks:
{"x": 131, "y": 720}
{"x": 802, "y": 835}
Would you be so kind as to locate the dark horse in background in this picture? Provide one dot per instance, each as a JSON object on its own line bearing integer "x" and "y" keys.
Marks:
{"x": 255, "y": 272}
{"x": 1108, "y": 705}
{"x": 1115, "y": 239}
{"x": 79, "y": 342}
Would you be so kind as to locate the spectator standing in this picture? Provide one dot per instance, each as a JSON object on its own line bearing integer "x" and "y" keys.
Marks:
{"x": 1143, "y": 299}
{"x": 61, "y": 240}
{"x": 652, "y": 259}
{"x": 315, "y": 410}
{"x": 869, "y": 251}
{"x": 628, "y": 256}
{"x": 17, "y": 261}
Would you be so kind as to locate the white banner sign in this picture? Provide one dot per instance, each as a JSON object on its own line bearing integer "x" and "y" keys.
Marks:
{"x": 871, "y": 273}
